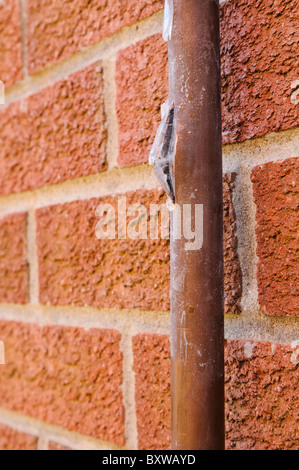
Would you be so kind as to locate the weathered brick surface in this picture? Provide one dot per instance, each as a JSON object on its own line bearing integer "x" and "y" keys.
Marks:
{"x": 72, "y": 25}
{"x": 10, "y": 439}
{"x": 232, "y": 267}
{"x": 76, "y": 268}
{"x": 276, "y": 196}
{"x": 10, "y": 43}
{"x": 261, "y": 394}
{"x": 259, "y": 51}
{"x": 54, "y": 135}
{"x": 142, "y": 87}
{"x": 13, "y": 263}
{"x": 153, "y": 404}
{"x": 79, "y": 269}
{"x": 259, "y": 66}
{"x": 64, "y": 376}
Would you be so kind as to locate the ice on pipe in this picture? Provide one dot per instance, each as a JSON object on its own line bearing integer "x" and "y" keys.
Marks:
{"x": 168, "y": 20}
{"x": 163, "y": 150}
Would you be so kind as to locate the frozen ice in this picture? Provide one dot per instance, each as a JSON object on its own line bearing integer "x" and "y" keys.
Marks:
{"x": 168, "y": 20}
{"x": 163, "y": 150}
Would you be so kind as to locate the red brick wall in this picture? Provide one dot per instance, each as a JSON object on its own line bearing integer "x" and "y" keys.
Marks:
{"x": 85, "y": 322}
{"x": 10, "y": 439}
{"x": 46, "y": 135}
{"x": 261, "y": 393}
{"x": 276, "y": 195}
{"x": 10, "y": 42}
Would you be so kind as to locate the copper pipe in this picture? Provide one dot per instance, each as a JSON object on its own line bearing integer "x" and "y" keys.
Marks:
{"x": 197, "y": 275}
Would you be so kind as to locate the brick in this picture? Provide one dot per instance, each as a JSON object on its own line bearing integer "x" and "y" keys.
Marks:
{"x": 152, "y": 385}
{"x": 54, "y": 135}
{"x": 64, "y": 376}
{"x": 261, "y": 394}
{"x": 260, "y": 75}
{"x": 142, "y": 87}
{"x": 10, "y": 439}
{"x": 276, "y": 195}
{"x": 79, "y": 269}
{"x": 70, "y": 26}
{"x": 233, "y": 284}
{"x": 14, "y": 273}
{"x": 10, "y": 43}
{"x": 259, "y": 64}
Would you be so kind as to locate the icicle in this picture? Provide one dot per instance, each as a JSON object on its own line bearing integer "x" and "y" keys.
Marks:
{"x": 168, "y": 20}
{"x": 170, "y": 205}
{"x": 163, "y": 150}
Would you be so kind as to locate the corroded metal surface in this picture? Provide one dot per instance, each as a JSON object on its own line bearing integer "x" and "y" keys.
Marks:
{"x": 197, "y": 274}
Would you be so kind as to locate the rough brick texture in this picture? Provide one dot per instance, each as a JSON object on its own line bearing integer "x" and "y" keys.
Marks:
{"x": 259, "y": 50}
{"x": 261, "y": 394}
{"x": 79, "y": 269}
{"x": 142, "y": 87}
{"x": 54, "y": 135}
{"x": 10, "y": 43}
{"x": 13, "y": 263}
{"x": 153, "y": 404}
{"x": 64, "y": 376}
{"x": 76, "y": 268}
{"x": 259, "y": 66}
{"x": 10, "y": 439}
{"x": 232, "y": 267}
{"x": 276, "y": 196}
{"x": 72, "y": 25}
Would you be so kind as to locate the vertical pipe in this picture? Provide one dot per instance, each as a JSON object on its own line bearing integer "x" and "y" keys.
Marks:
{"x": 197, "y": 274}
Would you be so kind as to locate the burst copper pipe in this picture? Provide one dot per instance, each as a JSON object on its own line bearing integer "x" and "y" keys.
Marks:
{"x": 197, "y": 305}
